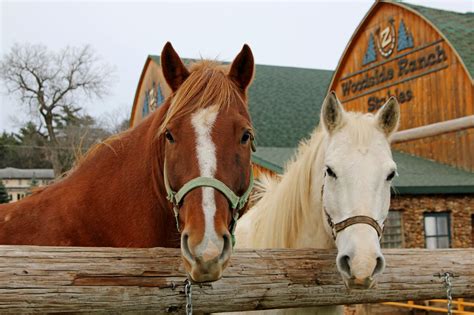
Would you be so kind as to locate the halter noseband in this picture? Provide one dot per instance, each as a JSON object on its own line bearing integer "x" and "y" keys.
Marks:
{"x": 358, "y": 219}
{"x": 236, "y": 203}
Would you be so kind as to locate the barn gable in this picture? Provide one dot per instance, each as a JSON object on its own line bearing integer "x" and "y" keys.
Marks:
{"x": 424, "y": 57}
{"x": 458, "y": 28}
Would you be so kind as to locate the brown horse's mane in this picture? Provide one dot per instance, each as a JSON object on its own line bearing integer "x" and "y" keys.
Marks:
{"x": 81, "y": 158}
{"x": 107, "y": 143}
{"x": 206, "y": 85}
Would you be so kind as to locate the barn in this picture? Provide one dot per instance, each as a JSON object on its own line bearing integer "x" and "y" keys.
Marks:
{"x": 421, "y": 55}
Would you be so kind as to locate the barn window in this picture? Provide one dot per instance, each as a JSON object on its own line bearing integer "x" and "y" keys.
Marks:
{"x": 392, "y": 234}
{"x": 437, "y": 230}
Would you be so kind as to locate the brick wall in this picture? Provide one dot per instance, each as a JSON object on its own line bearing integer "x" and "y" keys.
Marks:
{"x": 460, "y": 207}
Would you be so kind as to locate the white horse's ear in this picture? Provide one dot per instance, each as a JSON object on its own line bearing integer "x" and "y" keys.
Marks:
{"x": 332, "y": 113}
{"x": 388, "y": 116}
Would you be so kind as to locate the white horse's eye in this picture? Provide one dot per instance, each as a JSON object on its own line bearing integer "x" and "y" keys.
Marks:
{"x": 391, "y": 175}
{"x": 330, "y": 172}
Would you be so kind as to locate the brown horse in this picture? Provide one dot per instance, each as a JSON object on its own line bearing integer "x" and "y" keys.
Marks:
{"x": 116, "y": 196}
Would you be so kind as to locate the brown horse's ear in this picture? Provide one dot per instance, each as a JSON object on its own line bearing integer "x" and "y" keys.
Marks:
{"x": 174, "y": 71}
{"x": 242, "y": 69}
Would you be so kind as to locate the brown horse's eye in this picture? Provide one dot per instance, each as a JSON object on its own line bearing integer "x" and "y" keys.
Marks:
{"x": 246, "y": 137}
{"x": 169, "y": 136}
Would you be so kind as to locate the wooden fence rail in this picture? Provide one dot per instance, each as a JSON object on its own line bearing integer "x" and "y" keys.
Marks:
{"x": 72, "y": 279}
{"x": 435, "y": 129}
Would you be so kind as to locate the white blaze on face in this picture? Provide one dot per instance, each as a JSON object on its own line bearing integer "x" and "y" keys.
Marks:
{"x": 203, "y": 122}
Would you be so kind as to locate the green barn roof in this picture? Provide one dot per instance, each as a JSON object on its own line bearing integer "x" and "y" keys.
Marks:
{"x": 457, "y": 27}
{"x": 285, "y": 103}
{"x": 416, "y": 175}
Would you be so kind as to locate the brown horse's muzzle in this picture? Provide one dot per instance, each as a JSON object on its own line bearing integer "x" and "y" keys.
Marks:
{"x": 210, "y": 265}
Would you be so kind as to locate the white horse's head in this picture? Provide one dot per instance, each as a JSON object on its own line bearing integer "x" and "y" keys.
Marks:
{"x": 358, "y": 172}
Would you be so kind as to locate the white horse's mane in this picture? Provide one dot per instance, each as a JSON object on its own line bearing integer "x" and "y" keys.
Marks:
{"x": 289, "y": 203}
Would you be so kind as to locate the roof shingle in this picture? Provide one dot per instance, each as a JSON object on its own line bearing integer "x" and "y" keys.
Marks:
{"x": 16, "y": 173}
{"x": 457, "y": 27}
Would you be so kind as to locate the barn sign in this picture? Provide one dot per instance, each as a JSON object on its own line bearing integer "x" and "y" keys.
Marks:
{"x": 393, "y": 68}
{"x": 421, "y": 56}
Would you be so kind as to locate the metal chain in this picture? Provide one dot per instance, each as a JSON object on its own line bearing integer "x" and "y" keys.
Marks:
{"x": 447, "y": 276}
{"x": 448, "y": 285}
{"x": 188, "y": 291}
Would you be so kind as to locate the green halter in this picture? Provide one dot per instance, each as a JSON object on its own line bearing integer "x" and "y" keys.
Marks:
{"x": 236, "y": 203}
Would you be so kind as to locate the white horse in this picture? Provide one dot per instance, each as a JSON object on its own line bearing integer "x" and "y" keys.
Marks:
{"x": 334, "y": 193}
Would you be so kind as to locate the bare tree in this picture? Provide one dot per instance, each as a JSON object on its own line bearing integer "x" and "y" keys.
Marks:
{"x": 52, "y": 83}
{"x": 116, "y": 120}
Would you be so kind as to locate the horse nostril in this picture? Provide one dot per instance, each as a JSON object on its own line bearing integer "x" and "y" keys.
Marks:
{"x": 380, "y": 266}
{"x": 185, "y": 247}
{"x": 227, "y": 249}
{"x": 344, "y": 266}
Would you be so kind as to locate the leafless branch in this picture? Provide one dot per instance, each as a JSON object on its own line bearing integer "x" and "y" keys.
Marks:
{"x": 47, "y": 81}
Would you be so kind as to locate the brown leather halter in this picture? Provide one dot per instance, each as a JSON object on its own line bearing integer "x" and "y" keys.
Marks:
{"x": 358, "y": 219}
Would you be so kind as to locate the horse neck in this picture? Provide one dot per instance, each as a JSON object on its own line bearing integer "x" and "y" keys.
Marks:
{"x": 290, "y": 215}
{"x": 118, "y": 184}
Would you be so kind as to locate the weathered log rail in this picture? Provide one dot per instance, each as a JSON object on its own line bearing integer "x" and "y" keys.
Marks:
{"x": 73, "y": 279}
{"x": 435, "y": 129}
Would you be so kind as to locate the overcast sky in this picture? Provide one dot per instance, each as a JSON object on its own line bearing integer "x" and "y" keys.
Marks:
{"x": 309, "y": 34}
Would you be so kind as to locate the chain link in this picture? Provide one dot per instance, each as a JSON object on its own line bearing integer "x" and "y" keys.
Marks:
{"x": 188, "y": 291}
{"x": 448, "y": 285}
{"x": 446, "y": 277}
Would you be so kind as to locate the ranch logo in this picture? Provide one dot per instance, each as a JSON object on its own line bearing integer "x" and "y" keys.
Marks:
{"x": 153, "y": 99}
{"x": 386, "y": 40}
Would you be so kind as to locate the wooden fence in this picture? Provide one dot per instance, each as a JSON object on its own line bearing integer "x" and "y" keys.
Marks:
{"x": 72, "y": 279}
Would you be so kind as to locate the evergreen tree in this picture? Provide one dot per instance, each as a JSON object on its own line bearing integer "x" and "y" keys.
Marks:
{"x": 9, "y": 156}
{"x": 405, "y": 40}
{"x": 4, "y": 198}
{"x": 370, "y": 54}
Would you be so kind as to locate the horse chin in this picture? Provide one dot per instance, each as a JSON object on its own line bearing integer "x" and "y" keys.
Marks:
{"x": 359, "y": 284}
{"x": 204, "y": 271}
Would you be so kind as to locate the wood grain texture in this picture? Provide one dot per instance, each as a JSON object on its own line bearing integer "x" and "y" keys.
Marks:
{"x": 74, "y": 279}
{"x": 440, "y": 92}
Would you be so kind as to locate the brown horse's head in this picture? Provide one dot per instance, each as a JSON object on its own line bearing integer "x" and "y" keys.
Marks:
{"x": 207, "y": 133}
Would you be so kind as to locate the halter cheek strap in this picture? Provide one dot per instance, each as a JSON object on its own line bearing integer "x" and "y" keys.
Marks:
{"x": 236, "y": 203}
